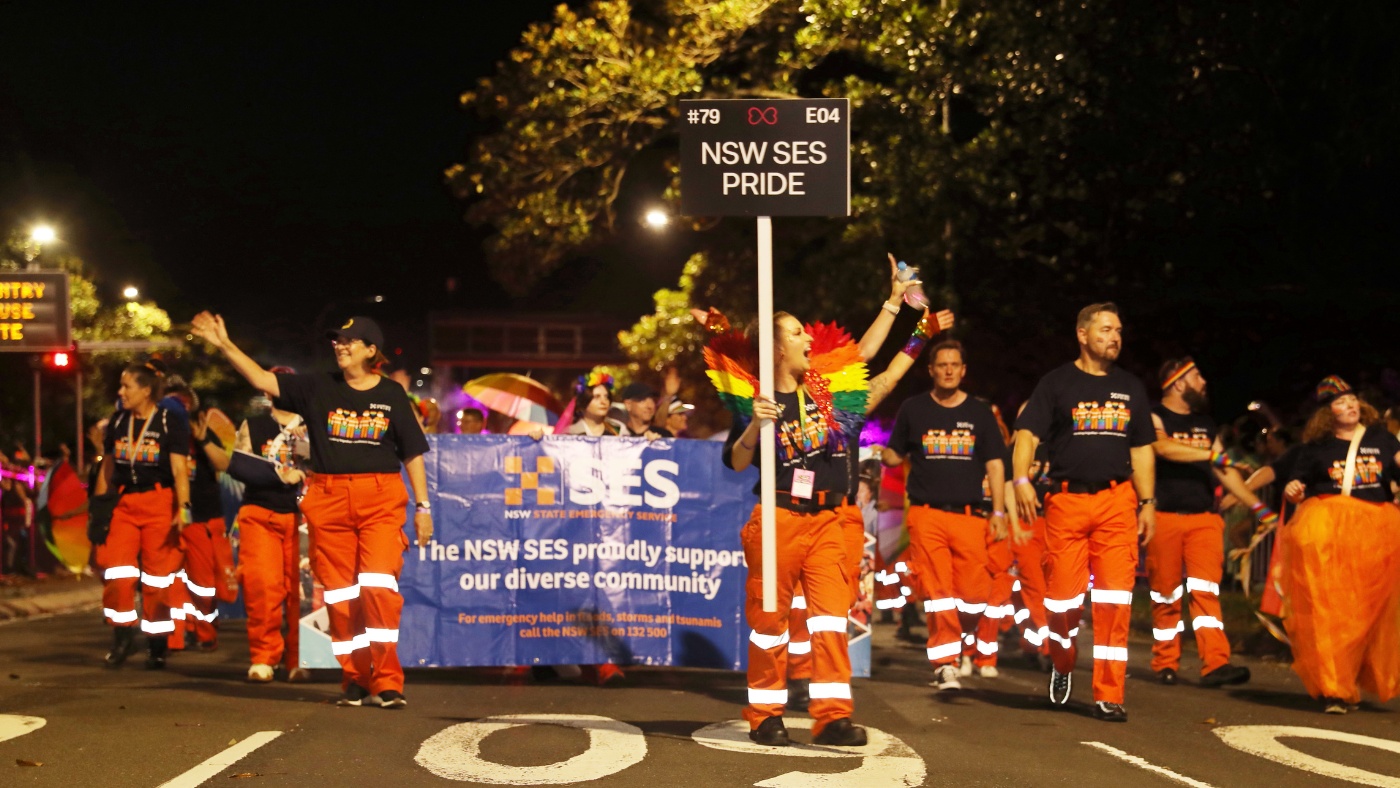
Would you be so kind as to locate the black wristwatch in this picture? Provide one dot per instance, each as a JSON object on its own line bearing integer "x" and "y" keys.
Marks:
{"x": 423, "y": 506}
{"x": 1146, "y": 502}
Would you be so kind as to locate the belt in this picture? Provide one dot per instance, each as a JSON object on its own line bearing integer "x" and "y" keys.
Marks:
{"x": 1185, "y": 511}
{"x": 820, "y": 502}
{"x": 1088, "y": 488}
{"x": 974, "y": 510}
{"x": 141, "y": 488}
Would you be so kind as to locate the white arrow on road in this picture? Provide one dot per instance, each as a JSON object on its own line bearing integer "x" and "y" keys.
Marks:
{"x": 12, "y": 725}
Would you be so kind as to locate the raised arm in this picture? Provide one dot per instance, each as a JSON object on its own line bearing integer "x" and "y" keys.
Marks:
{"x": 879, "y": 330}
{"x": 211, "y": 329}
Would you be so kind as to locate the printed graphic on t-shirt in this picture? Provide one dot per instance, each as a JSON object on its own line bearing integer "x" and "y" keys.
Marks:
{"x": 1368, "y": 471}
{"x": 1197, "y": 438}
{"x": 349, "y": 426}
{"x": 803, "y": 436}
{"x": 944, "y": 445}
{"x": 146, "y": 452}
{"x": 1110, "y": 418}
{"x": 284, "y": 452}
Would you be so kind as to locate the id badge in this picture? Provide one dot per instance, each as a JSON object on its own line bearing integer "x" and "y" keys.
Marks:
{"x": 802, "y": 483}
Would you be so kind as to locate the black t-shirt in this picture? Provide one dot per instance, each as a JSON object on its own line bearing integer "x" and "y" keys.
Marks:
{"x": 1187, "y": 487}
{"x": 1040, "y": 472}
{"x": 262, "y": 430}
{"x": 1283, "y": 473}
{"x": 1090, "y": 423}
{"x": 353, "y": 431}
{"x": 948, "y": 449}
{"x": 1322, "y": 465}
{"x": 143, "y": 460}
{"x": 205, "y": 502}
{"x": 809, "y": 443}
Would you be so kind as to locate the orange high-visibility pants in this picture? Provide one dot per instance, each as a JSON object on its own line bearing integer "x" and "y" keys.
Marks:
{"x": 999, "y": 608}
{"x": 949, "y": 554}
{"x": 143, "y": 546}
{"x": 1197, "y": 542}
{"x": 810, "y": 549}
{"x": 196, "y": 581}
{"x": 799, "y": 639}
{"x": 1030, "y": 585}
{"x": 357, "y": 553}
{"x": 270, "y": 553}
{"x": 1340, "y": 572}
{"x": 853, "y": 532}
{"x": 1095, "y": 533}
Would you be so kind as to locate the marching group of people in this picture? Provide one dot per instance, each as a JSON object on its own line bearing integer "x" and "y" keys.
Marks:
{"x": 1054, "y": 510}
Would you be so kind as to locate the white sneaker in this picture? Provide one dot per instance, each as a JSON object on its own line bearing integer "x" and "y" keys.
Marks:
{"x": 260, "y": 673}
{"x": 298, "y": 675}
{"x": 988, "y": 671}
{"x": 945, "y": 678}
{"x": 966, "y": 669}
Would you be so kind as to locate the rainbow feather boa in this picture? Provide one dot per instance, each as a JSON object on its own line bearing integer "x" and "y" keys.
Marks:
{"x": 836, "y": 378}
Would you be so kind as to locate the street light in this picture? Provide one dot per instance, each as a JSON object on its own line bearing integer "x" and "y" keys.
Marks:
{"x": 42, "y": 234}
{"x": 131, "y": 293}
{"x": 656, "y": 219}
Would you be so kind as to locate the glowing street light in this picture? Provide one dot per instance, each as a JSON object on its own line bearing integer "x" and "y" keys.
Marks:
{"x": 656, "y": 219}
{"x": 42, "y": 234}
{"x": 131, "y": 293}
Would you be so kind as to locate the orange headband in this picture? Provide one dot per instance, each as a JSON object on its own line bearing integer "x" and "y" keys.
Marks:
{"x": 1178, "y": 375}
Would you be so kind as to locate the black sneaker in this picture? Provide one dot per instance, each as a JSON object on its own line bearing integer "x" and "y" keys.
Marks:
{"x": 1167, "y": 676}
{"x": 770, "y": 733}
{"x": 156, "y": 650}
{"x": 1225, "y": 674}
{"x": 798, "y": 695}
{"x": 388, "y": 699}
{"x": 354, "y": 695}
{"x": 841, "y": 733}
{"x": 1335, "y": 706}
{"x": 122, "y": 640}
{"x": 1110, "y": 712}
{"x": 1061, "y": 686}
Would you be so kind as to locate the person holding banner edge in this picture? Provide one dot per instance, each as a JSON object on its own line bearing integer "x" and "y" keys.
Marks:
{"x": 355, "y": 504}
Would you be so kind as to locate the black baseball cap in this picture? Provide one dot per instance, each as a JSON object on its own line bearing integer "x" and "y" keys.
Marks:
{"x": 361, "y": 328}
{"x": 637, "y": 390}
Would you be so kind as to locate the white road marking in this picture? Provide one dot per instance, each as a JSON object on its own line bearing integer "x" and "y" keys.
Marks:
{"x": 1151, "y": 767}
{"x": 12, "y": 725}
{"x": 211, "y": 768}
{"x": 1263, "y": 741}
{"x": 455, "y": 753}
{"x": 885, "y": 760}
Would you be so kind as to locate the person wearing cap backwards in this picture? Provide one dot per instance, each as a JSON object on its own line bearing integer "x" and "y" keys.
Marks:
{"x": 954, "y": 444}
{"x": 1190, "y": 532}
{"x": 1096, "y": 420}
{"x": 145, "y": 458}
{"x": 362, "y": 430}
{"x": 640, "y": 401}
{"x": 1341, "y": 553}
{"x": 678, "y": 418}
{"x": 269, "y": 543}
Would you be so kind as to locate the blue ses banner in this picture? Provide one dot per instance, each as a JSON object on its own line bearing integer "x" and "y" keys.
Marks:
{"x": 578, "y": 550}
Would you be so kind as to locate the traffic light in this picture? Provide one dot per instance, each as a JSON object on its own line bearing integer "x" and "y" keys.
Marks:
{"x": 60, "y": 360}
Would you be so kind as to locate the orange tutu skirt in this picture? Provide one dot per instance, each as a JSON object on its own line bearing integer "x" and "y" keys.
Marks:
{"x": 1341, "y": 584}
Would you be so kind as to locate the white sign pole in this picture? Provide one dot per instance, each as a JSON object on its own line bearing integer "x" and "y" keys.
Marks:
{"x": 768, "y": 471}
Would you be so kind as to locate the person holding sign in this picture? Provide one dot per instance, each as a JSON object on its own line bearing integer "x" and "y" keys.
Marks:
{"x": 355, "y": 504}
{"x": 1341, "y": 553}
{"x": 145, "y": 459}
{"x": 1093, "y": 515}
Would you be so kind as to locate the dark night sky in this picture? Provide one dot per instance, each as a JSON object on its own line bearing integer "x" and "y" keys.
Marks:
{"x": 263, "y": 163}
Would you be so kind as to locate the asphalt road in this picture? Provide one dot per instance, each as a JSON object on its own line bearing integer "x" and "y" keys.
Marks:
{"x": 88, "y": 725}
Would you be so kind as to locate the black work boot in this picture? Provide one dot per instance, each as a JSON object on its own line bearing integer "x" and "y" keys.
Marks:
{"x": 156, "y": 649}
{"x": 122, "y": 638}
{"x": 771, "y": 733}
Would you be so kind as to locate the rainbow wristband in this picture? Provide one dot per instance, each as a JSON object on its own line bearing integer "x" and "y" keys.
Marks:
{"x": 914, "y": 346}
{"x": 1220, "y": 459}
{"x": 1266, "y": 515}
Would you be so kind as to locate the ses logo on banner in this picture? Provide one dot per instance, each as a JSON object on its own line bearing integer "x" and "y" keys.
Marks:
{"x": 588, "y": 481}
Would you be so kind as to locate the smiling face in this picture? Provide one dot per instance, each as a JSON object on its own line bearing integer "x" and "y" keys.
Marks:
{"x": 641, "y": 411}
{"x": 353, "y": 354}
{"x": 792, "y": 346}
{"x": 133, "y": 395}
{"x": 1102, "y": 339}
{"x": 1346, "y": 411}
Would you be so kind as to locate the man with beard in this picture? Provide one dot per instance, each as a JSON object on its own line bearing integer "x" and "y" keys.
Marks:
{"x": 1095, "y": 419}
{"x": 1189, "y": 531}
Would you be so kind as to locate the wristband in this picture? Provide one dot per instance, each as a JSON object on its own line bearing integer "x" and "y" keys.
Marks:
{"x": 1021, "y": 480}
{"x": 1145, "y": 502}
{"x": 997, "y": 513}
{"x": 891, "y": 308}
{"x": 186, "y": 515}
{"x": 1266, "y": 515}
{"x": 1220, "y": 459}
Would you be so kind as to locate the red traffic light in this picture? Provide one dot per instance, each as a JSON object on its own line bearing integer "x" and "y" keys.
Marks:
{"x": 61, "y": 360}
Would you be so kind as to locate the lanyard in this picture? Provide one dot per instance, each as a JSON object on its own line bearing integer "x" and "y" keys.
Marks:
{"x": 130, "y": 444}
{"x": 802, "y": 434}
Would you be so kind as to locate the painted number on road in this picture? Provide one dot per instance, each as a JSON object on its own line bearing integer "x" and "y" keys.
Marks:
{"x": 885, "y": 760}
{"x": 1263, "y": 741}
{"x": 455, "y": 753}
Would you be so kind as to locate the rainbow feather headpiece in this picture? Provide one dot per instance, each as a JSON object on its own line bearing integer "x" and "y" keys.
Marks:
{"x": 836, "y": 376}
{"x": 587, "y": 382}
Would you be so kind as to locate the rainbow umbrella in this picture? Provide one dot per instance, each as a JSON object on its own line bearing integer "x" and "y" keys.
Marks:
{"x": 516, "y": 396}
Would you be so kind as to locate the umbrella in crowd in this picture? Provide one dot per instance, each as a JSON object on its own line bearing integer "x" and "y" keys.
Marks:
{"x": 516, "y": 396}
